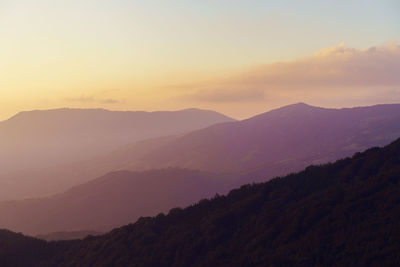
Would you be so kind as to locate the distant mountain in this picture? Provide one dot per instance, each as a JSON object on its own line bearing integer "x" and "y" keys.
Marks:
{"x": 44, "y": 138}
{"x": 38, "y": 140}
{"x": 341, "y": 214}
{"x": 274, "y": 143}
{"x": 112, "y": 200}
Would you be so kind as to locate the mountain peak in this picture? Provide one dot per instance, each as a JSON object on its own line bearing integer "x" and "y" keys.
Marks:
{"x": 298, "y": 106}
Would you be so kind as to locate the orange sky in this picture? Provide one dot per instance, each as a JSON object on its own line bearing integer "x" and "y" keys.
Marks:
{"x": 240, "y": 59}
{"x": 334, "y": 77}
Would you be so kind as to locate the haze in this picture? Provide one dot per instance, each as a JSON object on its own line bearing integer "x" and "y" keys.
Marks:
{"x": 199, "y": 133}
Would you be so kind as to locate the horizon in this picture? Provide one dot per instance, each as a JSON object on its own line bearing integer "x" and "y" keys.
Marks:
{"x": 200, "y": 109}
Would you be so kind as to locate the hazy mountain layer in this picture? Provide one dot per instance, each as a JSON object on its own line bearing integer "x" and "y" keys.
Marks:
{"x": 100, "y": 207}
{"x": 44, "y": 138}
{"x": 274, "y": 143}
{"x": 32, "y": 142}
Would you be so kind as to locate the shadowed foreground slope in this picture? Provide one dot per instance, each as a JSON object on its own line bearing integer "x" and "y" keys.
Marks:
{"x": 346, "y": 213}
{"x": 17, "y": 250}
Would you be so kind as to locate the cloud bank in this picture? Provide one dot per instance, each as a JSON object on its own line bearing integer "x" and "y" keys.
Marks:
{"x": 336, "y": 74}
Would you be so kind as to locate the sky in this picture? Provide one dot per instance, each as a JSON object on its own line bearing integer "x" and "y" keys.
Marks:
{"x": 236, "y": 57}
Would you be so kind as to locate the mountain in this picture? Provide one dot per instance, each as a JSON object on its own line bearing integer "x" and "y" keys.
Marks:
{"x": 275, "y": 143}
{"x": 345, "y": 213}
{"x": 278, "y": 142}
{"x": 112, "y": 200}
{"x": 38, "y": 140}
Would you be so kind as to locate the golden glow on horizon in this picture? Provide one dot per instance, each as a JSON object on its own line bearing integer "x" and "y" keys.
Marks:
{"x": 334, "y": 77}
{"x": 152, "y": 55}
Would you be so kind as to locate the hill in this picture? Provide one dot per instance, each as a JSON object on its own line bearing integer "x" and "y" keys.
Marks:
{"x": 39, "y": 140}
{"x": 345, "y": 213}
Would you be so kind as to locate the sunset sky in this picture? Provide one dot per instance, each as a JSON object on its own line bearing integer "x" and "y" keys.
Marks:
{"x": 237, "y": 57}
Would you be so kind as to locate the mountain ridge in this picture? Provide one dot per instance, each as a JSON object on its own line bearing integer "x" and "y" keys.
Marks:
{"x": 242, "y": 138}
{"x": 66, "y": 109}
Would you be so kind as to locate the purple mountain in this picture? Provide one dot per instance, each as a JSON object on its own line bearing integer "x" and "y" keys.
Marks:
{"x": 277, "y": 142}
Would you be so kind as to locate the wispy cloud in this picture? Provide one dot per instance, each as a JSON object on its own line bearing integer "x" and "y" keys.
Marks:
{"x": 109, "y": 101}
{"x": 84, "y": 99}
{"x": 223, "y": 94}
{"x": 81, "y": 99}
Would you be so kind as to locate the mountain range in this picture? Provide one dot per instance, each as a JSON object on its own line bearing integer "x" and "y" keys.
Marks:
{"x": 271, "y": 144}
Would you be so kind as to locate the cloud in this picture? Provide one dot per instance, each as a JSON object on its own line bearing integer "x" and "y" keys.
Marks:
{"x": 339, "y": 72}
{"x": 83, "y": 99}
{"x": 226, "y": 95}
{"x": 109, "y": 101}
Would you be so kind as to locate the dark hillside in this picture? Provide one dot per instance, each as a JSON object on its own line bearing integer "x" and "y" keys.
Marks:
{"x": 341, "y": 214}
